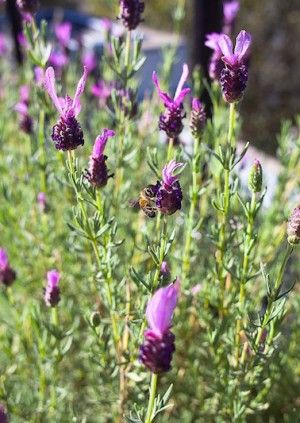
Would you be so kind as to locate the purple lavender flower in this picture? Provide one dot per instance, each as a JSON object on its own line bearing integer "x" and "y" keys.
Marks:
{"x": 52, "y": 291}
{"x": 230, "y": 11}
{"x": 25, "y": 120}
{"x": 216, "y": 64}
{"x": 28, "y": 6}
{"x": 63, "y": 33}
{"x": 130, "y": 13}
{"x": 102, "y": 91}
{"x": 42, "y": 201}
{"x": 169, "y": 194}
{"x": 171, "y": 120}
{"x": 67, "y": 133}
{"x": 293, "y": 227}
{"x": 198, "y": 118}
{"x": 59, "y": 60}
{"x": 235, "y": 74}
{"x": 158, "y": 347}
{"x": 89, "y": 60}
{"x": 3, "y": 414}
{"x": 97, "y": 173}
{"x": 3, "y": 46}
{"x": 7, "y": 274}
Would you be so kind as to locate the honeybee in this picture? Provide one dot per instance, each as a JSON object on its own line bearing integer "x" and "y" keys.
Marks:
{"x": 146, "y": 201}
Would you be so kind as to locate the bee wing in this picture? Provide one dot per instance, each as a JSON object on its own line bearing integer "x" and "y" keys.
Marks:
{"x": 134, "y": 203}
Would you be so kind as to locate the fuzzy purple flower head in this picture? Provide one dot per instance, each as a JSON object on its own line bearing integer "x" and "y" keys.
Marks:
{"x": 97, "y": 173}
{"x": 293, "y": 227}
{"x": 169, "y": 194}
{"x": 42, "y": 201}
{"x": 63, "y": 33}
{"x": 235, "y": 74}
{"x": 130, "y": 13}
{"x": 67, "y": 133}
{"x": 89, "y": 60}
{"x": 171, "y": 120}
{"x": 3, "y": 46}
{"x": 216, "y": 64}
{"x": 230, "y": 11}
{"x": 7, "y": 274}
{"x": 52, "y": 291}
{"x": 102, "y": 91}
{"x": 158, "y": 347}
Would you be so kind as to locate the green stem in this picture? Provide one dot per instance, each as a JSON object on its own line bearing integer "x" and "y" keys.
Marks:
{"x": 274, "y": 293}
{"x": 162, "y": 246}
{"x": 153, "y": 387}
{"x": 170, "y": 149}
{"x": 41, "y": 137}
{"x": 190, "y": 223}
{"x": 243, "y": 281}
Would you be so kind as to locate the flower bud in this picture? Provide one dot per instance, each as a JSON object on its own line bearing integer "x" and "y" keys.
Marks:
{"x": 198, "y": 118}
{"x": 293, "y": 227}
{"x": 255, "y": 177}
{"x": 95, "y": 319}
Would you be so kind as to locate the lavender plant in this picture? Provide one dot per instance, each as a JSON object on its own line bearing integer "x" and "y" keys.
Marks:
{"x": 172, "y": 294}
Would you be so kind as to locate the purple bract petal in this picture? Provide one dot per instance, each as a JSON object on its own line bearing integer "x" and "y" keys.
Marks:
{"x": 230, "y": 10}
{"x": 53, "y": 278}
{"x": 3, "y": 259}
{"x": 243, "y": 42}
{"x": 164, "y": 96}
{"x": 184, "y": 76}
{"x": 168, "y": 173}
{"x": 63, "y": 33}
{"x": 49, "y": 82}
{"x": 100, "y": 143}
{"x": 161, "y": 307}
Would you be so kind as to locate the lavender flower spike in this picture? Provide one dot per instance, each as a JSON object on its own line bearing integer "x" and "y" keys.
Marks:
{"x": 171, "y": 120}
{"x": 198, "y": 118}
{"x": 169, "y": 194}
{"x": 52, "y": 291}
{"x": 130, "y": 13}
{"x": 7, "y": 274}
{"x": 235, "y": 74}
{"x": 97, "y": 173}
{"x": 158, "y": 347}
{"x": 67, "y": 133}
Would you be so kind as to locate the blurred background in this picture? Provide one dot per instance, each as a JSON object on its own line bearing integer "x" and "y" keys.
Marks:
{"x": 273, "y": 93}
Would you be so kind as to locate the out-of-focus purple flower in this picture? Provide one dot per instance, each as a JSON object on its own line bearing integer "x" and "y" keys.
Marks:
{"x": 131, "y": 13}
{"x": 168, "y": 191}
{"x": 89, "y": 60}
{"x": 22, "y": 108}
{"x": 22, "y": 40}
{"x": 63, "y": 33}
{"x": 39, "y": 75}
{"x": 97, "y": 173}
{"x": 230, "y": 11}
{"x": 3, "y": 46}
{"x": 293, "y": 227}
{"x": 52, "y": 291}
{"x": 28, "y": 6}
{"x": 7, "y": 274}
{"x": 171, "y": 120}
{"x": 235, "y": 74}
{"x": 3, "y": 414}
{"x": 59, "y": 59}
{"x": 216, "y": 63}
{"x": 196, "y": 289}
{"x": 158, "y": 347}
{"x": 67, "y": 133}
{"x": 198, "y": 118}
{"x": 102, "y": 90}
{"x": 42, "y": 201}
